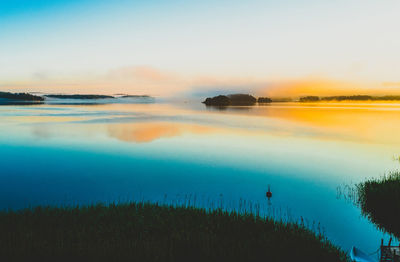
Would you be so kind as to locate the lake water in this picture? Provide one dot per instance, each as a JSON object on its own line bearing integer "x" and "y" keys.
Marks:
{"x": 72, "y": 154}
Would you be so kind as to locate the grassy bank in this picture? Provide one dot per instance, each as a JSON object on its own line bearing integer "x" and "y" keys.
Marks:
{"x": 149, "y": 232}
{"x": 379, "y": 200}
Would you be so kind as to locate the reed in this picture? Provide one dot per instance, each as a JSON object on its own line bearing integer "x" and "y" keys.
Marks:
{"x": 141, "y": 231}
{"x": 379, "y": 200}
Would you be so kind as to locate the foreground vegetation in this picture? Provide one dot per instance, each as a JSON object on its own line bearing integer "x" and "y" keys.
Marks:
{"x": 379, "y": 200}
{"x": 149, "y": 232}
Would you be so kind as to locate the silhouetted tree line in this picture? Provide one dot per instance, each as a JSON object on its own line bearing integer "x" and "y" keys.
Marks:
{"x": 264, "y": 100}
{"x": 20, "y": 96}
{"x": 309, "y": 99}
{"x": 349, "y": 98}
{"x": 80, "y": 96}
{"x": 235, "y": 100}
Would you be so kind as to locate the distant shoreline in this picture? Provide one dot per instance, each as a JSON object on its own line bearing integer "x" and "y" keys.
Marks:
{"x": 79, "y": 96}
{"x": 348, "y": 98}
{"x": 220, "y": 100}
{"x": 249, "y": 100}
{"x": 8, "y": 98}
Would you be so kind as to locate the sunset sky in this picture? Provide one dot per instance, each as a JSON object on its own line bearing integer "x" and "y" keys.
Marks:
{"x": 184, "y": 48}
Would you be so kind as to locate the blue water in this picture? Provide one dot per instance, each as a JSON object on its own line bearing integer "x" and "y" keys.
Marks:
{"x": 79, "y": 154}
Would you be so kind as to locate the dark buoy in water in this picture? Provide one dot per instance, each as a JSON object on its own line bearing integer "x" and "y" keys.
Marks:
{"x": 269, "y": 193}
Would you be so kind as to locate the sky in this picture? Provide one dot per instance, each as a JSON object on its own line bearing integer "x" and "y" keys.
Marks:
{"x": 172, "y": 48}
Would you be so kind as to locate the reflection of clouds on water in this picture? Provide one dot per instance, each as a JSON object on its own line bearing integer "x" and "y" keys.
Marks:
{"x": 147, "y": 132}
{"x": 230, "y": 108}
{"x": 366, "y": 123}
{"x": 145, "y": 123}
{"x": 358, "y": 122}
{"x": 41, "y": 132}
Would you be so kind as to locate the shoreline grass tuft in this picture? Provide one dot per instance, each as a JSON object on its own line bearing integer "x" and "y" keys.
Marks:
{"x": 379, "y": 200}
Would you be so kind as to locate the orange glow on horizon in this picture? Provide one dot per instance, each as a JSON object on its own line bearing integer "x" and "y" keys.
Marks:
{"x": 318, "y": 87}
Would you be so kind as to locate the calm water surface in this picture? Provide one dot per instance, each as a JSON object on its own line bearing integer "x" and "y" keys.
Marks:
{"x": 69, "y": 154}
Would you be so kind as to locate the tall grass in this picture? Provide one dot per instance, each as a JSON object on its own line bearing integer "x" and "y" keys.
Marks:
{"x": 379, "y": 200}
{"x": 140, "y": 231}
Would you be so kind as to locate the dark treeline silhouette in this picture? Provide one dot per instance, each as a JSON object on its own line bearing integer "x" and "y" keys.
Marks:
{"x": 264, "y": 100}
{"x": 150, "y": 232}
{"x": 80, "y": 96}
{"x": 242, "y": 99}
{"x": 235, "y": 100}
{"x": 217, "y": 101}
{"x": 20, "y": 96}
{"x": 309, "y": 99}
{"x": 349, "y": 98}
{"x": 231, "y": 100}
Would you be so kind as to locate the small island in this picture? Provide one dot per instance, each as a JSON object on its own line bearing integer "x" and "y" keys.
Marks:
{"x": 20, "y": 97}
{"x": 231, "y": 100}
{"x": 80, "y": 96}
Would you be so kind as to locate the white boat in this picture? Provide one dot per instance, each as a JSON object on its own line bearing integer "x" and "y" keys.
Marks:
{"x": 358, "y": 256}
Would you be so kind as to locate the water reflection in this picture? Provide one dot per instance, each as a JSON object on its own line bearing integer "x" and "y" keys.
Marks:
{"x": 365, "y": 123}
{"x": 230, "y": 108}
{"x": 372, "y": 123}
{"x": 83, "y": 153}
{"x": 147, "y": 132}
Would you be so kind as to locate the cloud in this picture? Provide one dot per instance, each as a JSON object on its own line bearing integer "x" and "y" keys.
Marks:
{"x": 144, "y": 80}
{"x": 204, "y": 86}
{"x": 40, "y": 76}
{"x": 145, "y": 73}
{"x": 206, "y": 91}
{"x": 147, "y": 80}
{"x": 136, "y": 80}
{"x": 279, "y": 88}
{"x": 310, "y": 86}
